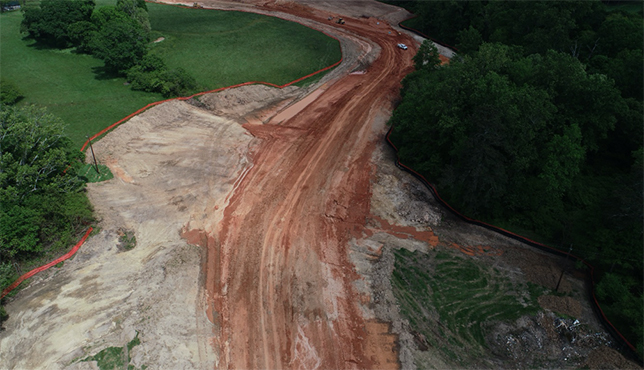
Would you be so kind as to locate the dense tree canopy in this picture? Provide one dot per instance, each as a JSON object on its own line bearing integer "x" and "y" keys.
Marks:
{"x": 42, "y": 203}
{"x": 50, "y": 23}
{"x": 121, "y": 45}
{"x": 537, "y": 126}
{"x": 507, "y": 133}
{"x": 40, "y": 200}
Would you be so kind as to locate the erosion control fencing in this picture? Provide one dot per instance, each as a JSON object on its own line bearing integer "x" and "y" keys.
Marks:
{"x": 107, "y": 129}
{"x": 626, "y": 345}
{"x": 110, "y": 127}
{"x": 45, "y": 267}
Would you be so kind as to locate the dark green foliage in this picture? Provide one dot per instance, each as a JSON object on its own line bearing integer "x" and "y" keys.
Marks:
{"x": 136, "y": 10}
{"x": 622, "y": 302}
{"x": 50, "y": 23}
{"x": 427, "y": 56}
{"x": 42, "y": 205}
{"x": 106, "y": 14}
{"x": 469, "y": 40}
{"x": 152, "y": 75}
{"x": 619, "y": 32}
{"x": 582, "y": 29}
{"x": 121, "y": 45}
{"x": 8, "y": 275}
{"x": 80, "y": 34}
{"x": 545, "y": 136}
{"x": 506, "y": 132}
{"x": 9, "y": 93}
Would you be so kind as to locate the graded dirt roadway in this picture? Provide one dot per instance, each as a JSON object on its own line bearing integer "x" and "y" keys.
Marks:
{"x": 278, "y": 273}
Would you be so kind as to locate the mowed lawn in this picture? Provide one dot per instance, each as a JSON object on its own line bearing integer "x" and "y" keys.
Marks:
{"x": 67, "y": 84}
{"x": 219, "y": 48}
{"x": 225, "y": 47}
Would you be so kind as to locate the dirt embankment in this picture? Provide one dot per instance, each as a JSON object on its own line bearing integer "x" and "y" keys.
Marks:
{"x": 278, "y": 271}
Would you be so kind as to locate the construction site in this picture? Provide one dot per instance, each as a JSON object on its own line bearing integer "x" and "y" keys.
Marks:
{"x": 270, "y": 223}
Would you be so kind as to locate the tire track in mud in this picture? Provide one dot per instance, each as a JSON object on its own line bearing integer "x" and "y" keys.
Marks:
{"x": 277, "y": 272}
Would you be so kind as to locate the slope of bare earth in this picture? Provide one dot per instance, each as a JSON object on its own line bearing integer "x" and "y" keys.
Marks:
{"x": 170, "y": 163}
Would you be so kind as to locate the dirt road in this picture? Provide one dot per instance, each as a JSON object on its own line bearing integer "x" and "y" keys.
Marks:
{"x": 278, "y": 274}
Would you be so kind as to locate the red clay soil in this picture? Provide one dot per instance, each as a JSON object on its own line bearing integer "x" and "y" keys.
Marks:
{"x": 278, "y": 275}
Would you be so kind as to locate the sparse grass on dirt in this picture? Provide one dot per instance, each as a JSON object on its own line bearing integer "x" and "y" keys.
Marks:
{"x": 217, "y": 48}
{"x": 116, "y": 358}
{"x": 89, "y": 171}
{"x": 224, "y": 48}
{"x": 451, "y": 300}
{"x": 127, "y": 240}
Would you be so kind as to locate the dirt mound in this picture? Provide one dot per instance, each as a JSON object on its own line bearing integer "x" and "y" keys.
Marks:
{"x": 242, "y": 101}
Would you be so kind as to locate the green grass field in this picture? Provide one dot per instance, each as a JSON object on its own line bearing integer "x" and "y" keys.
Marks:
{"x": 218, "y": 48}
{"x": 224, "y": 48}
{"x": 66, "y": 83}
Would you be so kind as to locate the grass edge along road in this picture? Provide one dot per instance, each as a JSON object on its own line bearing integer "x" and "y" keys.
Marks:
{"x": 74, "y": 87}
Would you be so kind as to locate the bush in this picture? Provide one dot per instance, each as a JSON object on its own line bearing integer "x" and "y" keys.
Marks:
{"x": 7, "y": 275}
{"x": 152, "y": 75}
{"x": 9, "y": 93}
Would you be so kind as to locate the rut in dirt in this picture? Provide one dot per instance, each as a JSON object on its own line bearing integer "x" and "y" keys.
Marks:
{"x": 277, "y": 271}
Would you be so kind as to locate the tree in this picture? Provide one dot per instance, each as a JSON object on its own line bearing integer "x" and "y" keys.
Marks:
{"x": 620, "y": 31}
{"x": 427, "y": 56}
{"x": 80, "y": 34}
{"x": 505, "y": 130}
{"x": 121, "y": 45}
{"x": 106, "y": 14}
{"x": 50, "y": 22}
{"x": 469, "y": 40}
{"x": 136, "y": 10}
{"x": 40, "y": 200}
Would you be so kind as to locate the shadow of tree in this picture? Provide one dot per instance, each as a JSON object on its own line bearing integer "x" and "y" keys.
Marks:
{"x": 102, "y": 73}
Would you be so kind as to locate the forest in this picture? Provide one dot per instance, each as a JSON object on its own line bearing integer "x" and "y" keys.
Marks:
{"x": 536, "y": 127}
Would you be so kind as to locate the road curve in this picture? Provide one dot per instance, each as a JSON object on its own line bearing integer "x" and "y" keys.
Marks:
{"x": 277, "y": 271}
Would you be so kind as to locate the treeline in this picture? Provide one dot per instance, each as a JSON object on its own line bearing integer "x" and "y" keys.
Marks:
{"x": 119, "y": 35}
{"x": 536, "y": 126}
{"x": 43, "y": 205}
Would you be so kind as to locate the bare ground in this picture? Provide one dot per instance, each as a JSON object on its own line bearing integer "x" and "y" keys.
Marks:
{"x": 297, "y": 212}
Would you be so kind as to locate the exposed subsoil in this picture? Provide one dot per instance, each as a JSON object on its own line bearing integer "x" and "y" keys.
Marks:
{"x": 297, "y": 207}
{"x": 278, "y": 270}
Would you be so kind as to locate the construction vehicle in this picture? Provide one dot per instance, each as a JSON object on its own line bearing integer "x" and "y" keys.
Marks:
{"x": 340, "y": 21}
{"x": 197, "y": 5}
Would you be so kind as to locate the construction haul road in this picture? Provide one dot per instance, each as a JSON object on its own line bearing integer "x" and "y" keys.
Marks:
{"x": 278, "y": 274}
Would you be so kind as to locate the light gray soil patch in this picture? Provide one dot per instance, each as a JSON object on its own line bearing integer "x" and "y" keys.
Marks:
{"x": 165, "y": 162}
